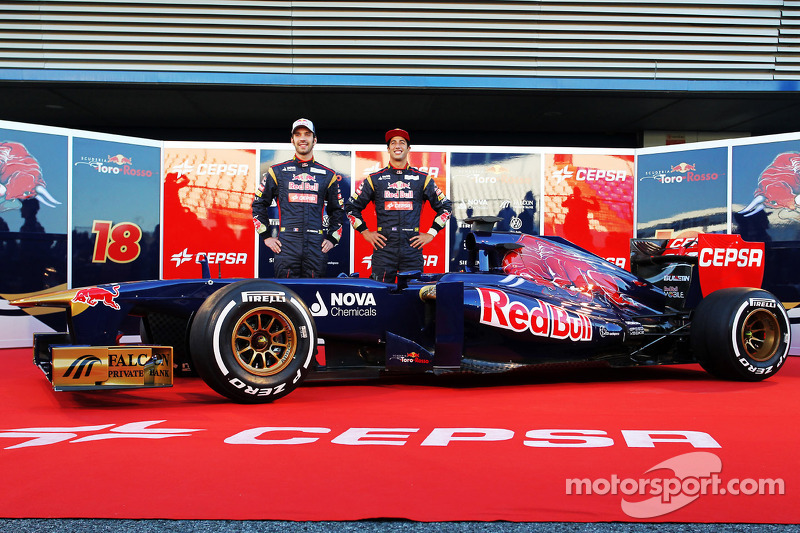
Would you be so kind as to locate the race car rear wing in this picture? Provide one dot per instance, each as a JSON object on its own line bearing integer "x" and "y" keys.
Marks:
{"x": 687, "y": 269}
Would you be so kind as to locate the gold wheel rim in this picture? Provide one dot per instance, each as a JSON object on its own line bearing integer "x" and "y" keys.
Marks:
{"x": 760, "y": 335}
{"x": 264, "y": 341}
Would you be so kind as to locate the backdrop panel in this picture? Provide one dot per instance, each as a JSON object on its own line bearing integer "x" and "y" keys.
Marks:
{"x": 434, "y": 163}
{"x": 208, "y": 193}
{"x": 34, "y": 209}
{"x": 505, "y": 185}
{"x": 682, "y": 193}
{"x": 116, "y": 213}
{"x": 765, "y": 197}
{"x": 341, "y": 162}
{"x": 588, "y": 200}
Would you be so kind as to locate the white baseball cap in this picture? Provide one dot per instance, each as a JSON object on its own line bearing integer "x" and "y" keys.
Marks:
{"x": 304, "y": 122}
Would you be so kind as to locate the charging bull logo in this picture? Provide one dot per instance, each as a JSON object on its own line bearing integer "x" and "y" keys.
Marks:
{"x": 548, "y": 264}
{"x": 20, "y": 178}
{"x": 778, "y": 186}
{"x": 119, "y": 159}
{"x": 93, "y": 295}
{"x": 683, "y": 168}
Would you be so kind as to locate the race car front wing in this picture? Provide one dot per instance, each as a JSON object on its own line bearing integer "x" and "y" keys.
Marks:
{"x": 75, "y": 367}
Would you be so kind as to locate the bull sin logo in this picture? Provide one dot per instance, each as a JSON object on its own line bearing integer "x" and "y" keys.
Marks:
{"x": 91, "y": 296}
{"x": 119, "y": 159}
{"x": 728, "y": 261}
{"x": 683, "y": 168}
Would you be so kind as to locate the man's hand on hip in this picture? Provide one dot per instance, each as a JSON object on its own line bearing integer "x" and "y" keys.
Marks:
{"x": 418, "y": 241}
{"x": 377, "y": 240}
{"x": 273, "y": 244}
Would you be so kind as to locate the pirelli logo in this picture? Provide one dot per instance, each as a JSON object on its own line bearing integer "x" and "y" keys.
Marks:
{"x": 762, "y": 302}
{"x": 263, "y": 296}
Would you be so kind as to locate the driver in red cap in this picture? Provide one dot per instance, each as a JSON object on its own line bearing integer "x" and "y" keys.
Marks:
{"x": 398, "y": 191}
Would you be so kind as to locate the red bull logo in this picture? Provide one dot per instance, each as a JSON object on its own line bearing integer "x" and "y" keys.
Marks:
{"x": 306, "y": 183}
{"x": 542, "y": 319}
{"x": 119, "y": 159}
{"x": 683, "y": 168}
{"x": 397, "y": 191}
{"x": 93, "y": 295}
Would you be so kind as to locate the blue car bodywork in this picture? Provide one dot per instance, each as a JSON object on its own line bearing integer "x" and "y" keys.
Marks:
{"x": 522, "y": 300}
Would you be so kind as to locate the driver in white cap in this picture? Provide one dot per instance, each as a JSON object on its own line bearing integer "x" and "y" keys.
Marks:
{"x": 301, "y": 187}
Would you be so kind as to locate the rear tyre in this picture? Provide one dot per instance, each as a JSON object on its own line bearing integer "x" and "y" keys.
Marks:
{"x": 741, "y": 334}
{"x": 253, "y": 341}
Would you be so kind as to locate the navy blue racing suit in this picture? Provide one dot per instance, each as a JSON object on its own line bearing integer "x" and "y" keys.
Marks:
{"x": 398, "y": 195}
{"x": 300, "y": 189}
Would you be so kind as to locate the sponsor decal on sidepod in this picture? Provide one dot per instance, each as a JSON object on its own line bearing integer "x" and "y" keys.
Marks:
{"x": 543, "y": 320}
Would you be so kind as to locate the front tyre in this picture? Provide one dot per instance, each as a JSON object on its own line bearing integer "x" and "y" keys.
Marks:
{"x": 741, "y": 334}
{"x": 253, "y": 341}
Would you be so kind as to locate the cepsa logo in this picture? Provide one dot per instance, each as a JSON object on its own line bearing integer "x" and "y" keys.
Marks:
{"x": 211, "y": 169}
{"x": 369, "y": 436}
{"x": 728, "y": 261}
{"x": 227, "y": 258}
{"x": 589, "y": 174}
{"x": 725, "y": 257}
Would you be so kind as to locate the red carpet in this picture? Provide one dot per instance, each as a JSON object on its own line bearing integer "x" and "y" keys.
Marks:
{"x": 427, "y": 451}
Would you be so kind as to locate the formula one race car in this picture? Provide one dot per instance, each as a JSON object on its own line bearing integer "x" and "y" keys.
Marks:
{"x": 522, "y": 300}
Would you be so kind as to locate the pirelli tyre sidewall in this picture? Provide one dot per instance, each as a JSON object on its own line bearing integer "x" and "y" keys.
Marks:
{"x": 253, "y": 341}
{"x": 741, "y": 333}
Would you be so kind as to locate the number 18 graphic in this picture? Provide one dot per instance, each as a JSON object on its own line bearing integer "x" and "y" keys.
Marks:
{"x": 118, "y": 243}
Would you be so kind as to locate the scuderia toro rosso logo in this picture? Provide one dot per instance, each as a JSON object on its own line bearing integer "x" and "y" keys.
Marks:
{"x": 542, "y": 320}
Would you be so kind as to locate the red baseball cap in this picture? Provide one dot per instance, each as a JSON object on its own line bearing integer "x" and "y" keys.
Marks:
{"x": 397, "y": 132}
